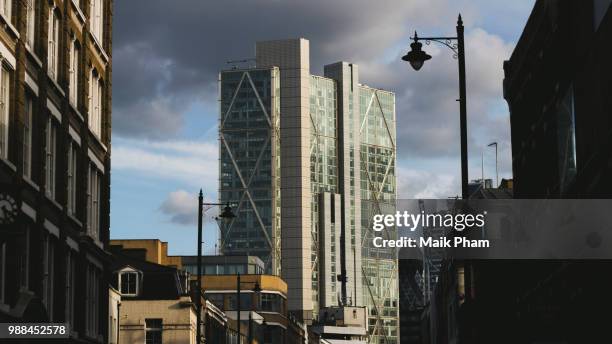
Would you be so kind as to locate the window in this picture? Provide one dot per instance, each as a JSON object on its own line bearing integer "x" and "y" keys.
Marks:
{"x": 73, "y": 154}
{"x": 128, "y": 283}
{"x": 245, "y": 301}
{"x": 74, "y": 73}
{"x": 153, "y": 331}
{"x": 93, "y": 203}
{"x": 600, "y": 8}
{"x": 27, "y": 136}
{"x": 51, "y": 156}
{"x": 270, "y": 302}
{"x": 70, "y": 285}
{"x": 92, "y": 301}
{"x": 53, "y": 44}
{"x": 48, "y": 254}
{"x": 5, "y": 9}
{"x": 96, "y": 15}
{"x": 216, "y": 299}
{"x": 5, "y": 77}
{"x": 31, "y": 26}
{"x": 95, "y": 103}
{"x": 566, "y": 136}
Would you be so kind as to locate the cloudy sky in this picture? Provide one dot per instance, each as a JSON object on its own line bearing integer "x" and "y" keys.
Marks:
{"x": 166, "y": 59}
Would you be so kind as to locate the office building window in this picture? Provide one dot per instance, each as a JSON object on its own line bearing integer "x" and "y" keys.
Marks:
{"x": 153, "y": 331}
{"x": 70, "y": 285}
{"x": 95, "y": 103}
{"x": 31, "y": 23}
{"x": 96, "y": 18}
{"x": 216, "y": 299}
{"x": 5, "y": 81}
{"x": 51, "y": 156}
{"x": 73, "y": 155}
{"x": 92, "y": 301}
{"x": 48, "y": 255}
{"x": 93, "y": 202}
{"x": 53, "y": 44}
{"x": 74, "y": 73}
{"x": 5, "y": 9}
{"x": 270, "y": 302}
{"x": 27, "y": 136}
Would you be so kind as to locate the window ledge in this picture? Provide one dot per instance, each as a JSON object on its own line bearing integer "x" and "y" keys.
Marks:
{"x": 57, "y": 86}
{"x": 78, "y": 12}
{"x": 31, "y": 183}
{"x": 78, "y": 113}
{"x": 57, "y": 205}
{"x": 95, "y": 136}
{"x": 33, "y": 55}
{"x": 9, "y": 164}
{"x": 75, "y": 220}
{"x": 8, "y": 24}
{"x": 99, "y": 47}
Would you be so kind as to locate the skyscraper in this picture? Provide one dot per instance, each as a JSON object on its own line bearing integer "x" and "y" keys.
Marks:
{"x": 304, "y": 157}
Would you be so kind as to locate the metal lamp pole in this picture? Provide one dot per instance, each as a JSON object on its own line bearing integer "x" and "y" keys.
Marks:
{"x": 416, "y": 57}
{"x": 226, "y": 215}
{"x": 256, "y": 289}
{"x": 199, "y": 281}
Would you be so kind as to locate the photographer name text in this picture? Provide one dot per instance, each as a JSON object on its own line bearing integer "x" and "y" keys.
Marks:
{"x": 441, "y": 242}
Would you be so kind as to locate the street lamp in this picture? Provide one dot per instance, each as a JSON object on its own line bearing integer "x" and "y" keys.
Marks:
{"x": 257, "y": 290}
{"x": 417, "y": 57}
{"x": 226, "y": 215}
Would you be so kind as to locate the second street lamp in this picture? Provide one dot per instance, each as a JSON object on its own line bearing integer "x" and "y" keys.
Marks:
{"x": 257, "y": 291}
{"x": 226, "y": 215}
{"x": 417, "y": 57}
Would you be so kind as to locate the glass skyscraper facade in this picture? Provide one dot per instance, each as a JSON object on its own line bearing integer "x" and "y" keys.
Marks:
{"x": 378, "y": 194}
{"x": 324, "y": 179}
{"x": 308, "y": 160}
{"x": 249, "y": 166}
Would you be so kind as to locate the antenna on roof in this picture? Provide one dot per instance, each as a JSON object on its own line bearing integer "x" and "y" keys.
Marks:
{"x": 235, "y": 63}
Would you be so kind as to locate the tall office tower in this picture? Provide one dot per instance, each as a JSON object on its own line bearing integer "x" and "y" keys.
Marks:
{"x": 249, "y": 169}
{"x": 378, "y": 192}
{"x": 55, "y": 141}
{"x": 335, "y": 142}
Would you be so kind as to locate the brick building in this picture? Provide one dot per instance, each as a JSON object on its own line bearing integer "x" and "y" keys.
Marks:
{"x": 55, "y": 129}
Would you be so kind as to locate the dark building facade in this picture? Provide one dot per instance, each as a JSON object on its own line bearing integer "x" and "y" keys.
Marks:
{"x": 558, "y": 84}
{"x": 55, "y": 128}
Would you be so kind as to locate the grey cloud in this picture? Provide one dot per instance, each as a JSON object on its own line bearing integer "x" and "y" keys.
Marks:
{"x": 174, "y": 58}
{"x": 181, "y": 207}
{"x": 164, "y": 65}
